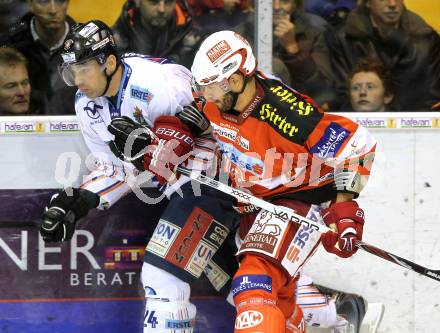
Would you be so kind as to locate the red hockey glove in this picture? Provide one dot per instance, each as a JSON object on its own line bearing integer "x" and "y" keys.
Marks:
{"x": 349, "y": 221}
{"x": 172, "y": 146}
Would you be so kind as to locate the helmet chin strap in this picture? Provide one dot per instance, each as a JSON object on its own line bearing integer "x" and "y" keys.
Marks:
{"x": 237, "y": 94}
{"x": 108, "y": 78}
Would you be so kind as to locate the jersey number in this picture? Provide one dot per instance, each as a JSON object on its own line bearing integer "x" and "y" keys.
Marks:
{"x": 152, "y": 319}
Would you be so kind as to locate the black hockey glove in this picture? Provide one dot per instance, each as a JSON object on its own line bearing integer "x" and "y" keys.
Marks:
{"x": 122, "y": 129}
{"x": 63, "y": 211}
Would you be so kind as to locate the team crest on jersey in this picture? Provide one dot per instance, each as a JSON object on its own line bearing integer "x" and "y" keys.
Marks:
{"x": 92, "y": 109}
{"x": 137, "y": 114}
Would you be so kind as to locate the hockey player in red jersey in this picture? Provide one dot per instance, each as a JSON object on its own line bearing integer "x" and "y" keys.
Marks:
{"x": 281, "y": 147}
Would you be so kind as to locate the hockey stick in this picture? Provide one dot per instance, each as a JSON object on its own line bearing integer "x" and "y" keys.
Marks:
{"x": 289, "y": 215}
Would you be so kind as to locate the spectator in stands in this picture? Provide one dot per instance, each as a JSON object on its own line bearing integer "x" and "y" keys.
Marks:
{"x": 160, "y": 28}
{"x": 435, "y": 83}
{"x": 398, "y": 37}
{"x": 299, "y": 42}
{"x": 10, "y": 12}
{"x": 40, "y": 36}
{"x": 202, "y": 6}
{"x": 15, "y": 88}
{"x": 370, "y": 86}
{"x": 216, "y": 15}
{"x": 333, "y": 11}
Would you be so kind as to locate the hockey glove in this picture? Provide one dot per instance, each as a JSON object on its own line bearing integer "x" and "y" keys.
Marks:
{"x": 171, "y": 146}
{"x": 194, "y": 118}
{"x": 63, "y": 211}
{"x": 348, "y": 219}
{"x": 131, "y": 138}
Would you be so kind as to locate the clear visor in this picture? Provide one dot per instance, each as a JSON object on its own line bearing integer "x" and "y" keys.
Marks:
{"x": 212, "y": 91}
{"x": 73, "y": 74}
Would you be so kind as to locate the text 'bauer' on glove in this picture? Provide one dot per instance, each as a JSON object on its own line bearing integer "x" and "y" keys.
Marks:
{"x": 172, "y": 145}
{"x": 64, "y": 210}
{"x": 348, "y": 219}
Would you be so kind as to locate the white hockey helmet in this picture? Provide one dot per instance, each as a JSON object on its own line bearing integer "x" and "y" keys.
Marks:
{"x": 220, "y": 55}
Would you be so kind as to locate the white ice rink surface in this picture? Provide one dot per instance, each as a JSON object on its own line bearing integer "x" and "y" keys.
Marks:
{"x": 402, "y": 205}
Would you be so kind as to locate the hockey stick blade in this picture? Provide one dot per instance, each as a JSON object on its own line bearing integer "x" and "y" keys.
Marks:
{"x": 289, "y": 215}
{"x": 433, "y": 274}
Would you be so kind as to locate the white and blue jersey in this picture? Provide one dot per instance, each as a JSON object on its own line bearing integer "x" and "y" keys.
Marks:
{"x": 150, "y": 88}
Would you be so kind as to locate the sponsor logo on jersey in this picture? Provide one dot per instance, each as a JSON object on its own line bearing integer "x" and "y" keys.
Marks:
{"x": 92, "y": 109}
{"x": 232, "y": 135}
{"x": 265, "y": 234}
{"x": 218, "y": 50}
{"x": 212, "y": 239}
{"x": 242, "y": 160}
{"x": 178, "y": 324}
{"x": 190, "y": 251}
{"x": 251, "y": 282}
{"x": 141, "y": 94}
{"x": 216, "y": 234}
{"x": 329, "y": 144}
{"x": 302, "y": 107}
{"x": 248, "y": 319}
{"x": 251, "y": 108}
{"x": 270, "y": 114}
{"x": 302, "y": 236}
{"x": 216, "y": 275}
{"x": 200, "y": 258}
{"x": 163, "y": 238}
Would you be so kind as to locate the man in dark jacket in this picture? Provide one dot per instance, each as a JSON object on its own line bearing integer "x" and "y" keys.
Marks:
{"x": 300, "y": 44}
{"x": 398, "y": 37}
{"x": 160, "y": 28}
{"x": 40, "y": 36}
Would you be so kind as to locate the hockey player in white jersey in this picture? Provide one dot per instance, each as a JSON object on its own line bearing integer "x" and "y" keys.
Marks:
{"x": 137, "y": 89}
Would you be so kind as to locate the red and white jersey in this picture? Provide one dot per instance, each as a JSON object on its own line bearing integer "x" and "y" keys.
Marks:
{"x": 283, "y": 145}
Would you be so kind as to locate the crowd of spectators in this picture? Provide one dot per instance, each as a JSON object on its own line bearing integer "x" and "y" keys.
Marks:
{"x": 349, "y": 55}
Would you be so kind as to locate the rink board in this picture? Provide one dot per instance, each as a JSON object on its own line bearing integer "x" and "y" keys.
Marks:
{"x": 215, "y": 316}
{"x": 91, "y": 284}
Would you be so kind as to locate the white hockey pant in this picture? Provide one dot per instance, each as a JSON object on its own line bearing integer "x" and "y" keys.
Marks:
{"x": 167, "y": 308}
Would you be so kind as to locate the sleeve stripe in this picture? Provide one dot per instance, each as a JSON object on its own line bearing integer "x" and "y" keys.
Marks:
{"x": 110, "y": 188}
{"x": 94, "y": 179}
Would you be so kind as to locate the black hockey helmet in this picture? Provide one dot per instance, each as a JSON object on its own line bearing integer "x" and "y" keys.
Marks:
{"x": 86, "y": 41}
